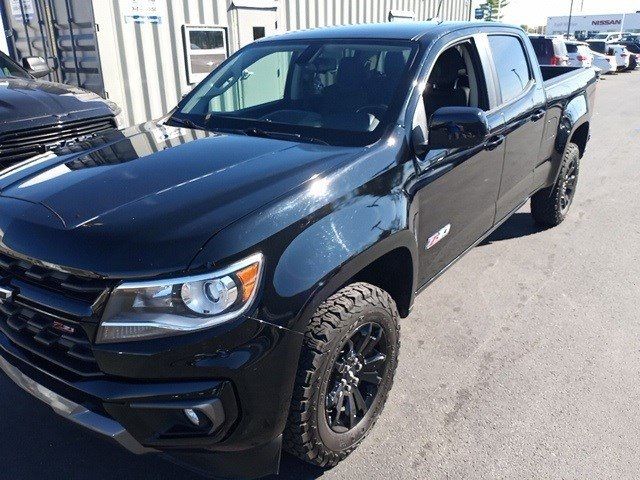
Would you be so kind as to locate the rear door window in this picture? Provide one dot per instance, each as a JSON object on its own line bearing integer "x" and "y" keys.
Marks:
{"x": 511, "y": 65}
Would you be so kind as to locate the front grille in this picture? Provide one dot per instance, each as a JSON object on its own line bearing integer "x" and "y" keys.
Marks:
{"x": 22, "y": 144}
{"x": 52, "y": 315}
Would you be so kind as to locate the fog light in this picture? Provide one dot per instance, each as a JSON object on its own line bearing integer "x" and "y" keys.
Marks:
{"x": 192, "y": 416}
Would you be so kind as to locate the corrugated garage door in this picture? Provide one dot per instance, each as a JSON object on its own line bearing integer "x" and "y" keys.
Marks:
{"x": 63, "y": 32}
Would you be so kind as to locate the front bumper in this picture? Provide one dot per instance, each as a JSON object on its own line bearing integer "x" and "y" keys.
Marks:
{"x": 242, "y": 406}
{"x": 74, "y": 412}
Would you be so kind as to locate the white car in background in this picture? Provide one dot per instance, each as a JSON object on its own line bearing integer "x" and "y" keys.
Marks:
{"x": 621, "y": 53}
{"x": 580, "y": 55}
{"x": 607, "y": 37}
{"x": 605, "y": 63}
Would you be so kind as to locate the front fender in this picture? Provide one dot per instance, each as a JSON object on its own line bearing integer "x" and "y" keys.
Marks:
{"x": 341, "y": 275}
{"x": 320, "y": 235}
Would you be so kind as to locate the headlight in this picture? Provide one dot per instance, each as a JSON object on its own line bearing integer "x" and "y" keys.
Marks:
{"x": 143, "y": 310}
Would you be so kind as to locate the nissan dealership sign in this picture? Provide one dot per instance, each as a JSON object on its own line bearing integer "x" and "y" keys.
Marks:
{"x": 598, "y": 23}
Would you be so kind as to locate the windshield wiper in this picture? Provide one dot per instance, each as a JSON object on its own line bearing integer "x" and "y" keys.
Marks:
{"x": 185, "y": 122}
{"x": 258, "y": 132}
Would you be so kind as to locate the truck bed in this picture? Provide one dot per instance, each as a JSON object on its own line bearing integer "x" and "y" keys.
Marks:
{"x": 550, "y": 72}
{"x": 566, "y": 82}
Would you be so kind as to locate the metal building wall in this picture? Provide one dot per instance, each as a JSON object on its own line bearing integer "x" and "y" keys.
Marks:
{"x": 301, "y": 14}
{"x": 144, "y": 63}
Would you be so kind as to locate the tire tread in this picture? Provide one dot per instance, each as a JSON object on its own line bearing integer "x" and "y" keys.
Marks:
{"x": 300, "y": 436}
{"x": 545, "y": 204}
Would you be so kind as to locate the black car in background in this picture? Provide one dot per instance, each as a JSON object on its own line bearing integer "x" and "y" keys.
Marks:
{"x": 37, "y": 115}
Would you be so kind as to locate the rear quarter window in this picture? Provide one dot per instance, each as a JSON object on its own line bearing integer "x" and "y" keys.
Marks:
{"x": 598, "y": 46}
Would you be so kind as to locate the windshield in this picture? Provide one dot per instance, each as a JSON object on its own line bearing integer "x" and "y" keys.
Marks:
{"x": 9, "y": 69}
{"x": 333, "y": 91}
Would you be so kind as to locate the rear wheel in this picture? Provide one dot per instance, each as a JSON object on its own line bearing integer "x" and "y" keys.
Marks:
{"x": 345, "y": 373}
{"x": 550, "y": 206}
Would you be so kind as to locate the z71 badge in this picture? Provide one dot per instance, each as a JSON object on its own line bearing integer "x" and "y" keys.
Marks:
{"x": 439, "y": 235}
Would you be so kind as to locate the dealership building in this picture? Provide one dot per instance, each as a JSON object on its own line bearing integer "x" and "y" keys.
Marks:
{"x": 583, "y": 26}
{"x": 145, "y": 55}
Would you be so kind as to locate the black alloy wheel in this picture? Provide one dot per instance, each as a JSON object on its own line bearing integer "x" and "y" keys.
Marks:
{"x": 356, "y": 374}
{"x": 345, "y": 372}
{"x": 550, "y": 206}
{"x": 568, "y": 187}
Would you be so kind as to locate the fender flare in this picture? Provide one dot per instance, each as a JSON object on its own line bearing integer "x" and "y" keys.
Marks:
{"x": 574, "y": 115}
{"x": 342, "y": 274}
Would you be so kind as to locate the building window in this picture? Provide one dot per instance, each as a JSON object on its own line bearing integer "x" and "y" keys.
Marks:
{"x": 204, "y": 48}
{"x": 258, "y": 32}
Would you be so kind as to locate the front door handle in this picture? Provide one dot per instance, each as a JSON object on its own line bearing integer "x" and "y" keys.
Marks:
{"x": 494, "y": 142}
{"x": 538, "y": 114}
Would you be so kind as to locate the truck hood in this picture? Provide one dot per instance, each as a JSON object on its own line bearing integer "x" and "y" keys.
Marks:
{"x": 142, "y": 202}
{"x": 23, "y": 100}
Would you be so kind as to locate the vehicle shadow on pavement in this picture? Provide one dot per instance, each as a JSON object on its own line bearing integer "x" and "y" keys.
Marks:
{"x": 36, "y": 444}
{"x": 293, "y": 469}
{"x": 519, "y": 225}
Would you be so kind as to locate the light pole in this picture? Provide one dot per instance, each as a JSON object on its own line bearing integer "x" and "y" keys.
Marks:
{"x": 569, "y": 24}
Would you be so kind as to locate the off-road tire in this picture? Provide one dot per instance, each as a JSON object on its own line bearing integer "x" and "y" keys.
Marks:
{"x": 547, "y": 204}
{"x": 334, "y": 322}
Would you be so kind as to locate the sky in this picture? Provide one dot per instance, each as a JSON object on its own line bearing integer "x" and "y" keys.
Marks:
{"x": 535, "y": 12}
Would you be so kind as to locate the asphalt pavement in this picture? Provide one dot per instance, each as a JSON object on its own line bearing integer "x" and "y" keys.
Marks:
{"x": 521, "y": 362}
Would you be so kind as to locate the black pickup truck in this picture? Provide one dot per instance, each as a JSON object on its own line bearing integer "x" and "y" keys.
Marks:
{"x": 230, "y": 280}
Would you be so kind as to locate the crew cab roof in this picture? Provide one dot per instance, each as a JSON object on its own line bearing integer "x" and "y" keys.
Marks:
{"x": 416, "y": 31}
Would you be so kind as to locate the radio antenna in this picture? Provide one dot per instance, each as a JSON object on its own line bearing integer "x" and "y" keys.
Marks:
{"x": 437, "y": 16}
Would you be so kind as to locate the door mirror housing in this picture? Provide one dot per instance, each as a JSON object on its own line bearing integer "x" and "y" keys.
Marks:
{"x": 36, "y": 66}
{"x": 457, "y": 127}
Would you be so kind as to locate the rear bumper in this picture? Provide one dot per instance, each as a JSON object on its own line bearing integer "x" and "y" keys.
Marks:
{"x": 238, "y": 434}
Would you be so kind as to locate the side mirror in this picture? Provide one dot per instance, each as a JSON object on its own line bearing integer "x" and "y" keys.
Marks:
{"x": 457, "y": 127}
{"x": 36, "y": 66}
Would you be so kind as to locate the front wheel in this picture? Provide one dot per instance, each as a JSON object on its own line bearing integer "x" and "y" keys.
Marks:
{"x": 344, "y": 375}
{"x": 550, "y": 205}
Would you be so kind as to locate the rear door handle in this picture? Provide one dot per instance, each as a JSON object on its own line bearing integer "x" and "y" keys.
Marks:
{"x": 538, "y": 114}
{"x": 494, "y": 142}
